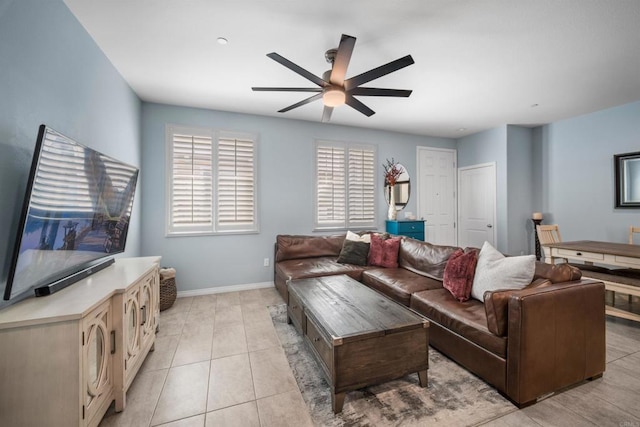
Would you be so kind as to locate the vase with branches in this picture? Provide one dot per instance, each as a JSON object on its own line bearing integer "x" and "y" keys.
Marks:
{"x": 392, "y": 171}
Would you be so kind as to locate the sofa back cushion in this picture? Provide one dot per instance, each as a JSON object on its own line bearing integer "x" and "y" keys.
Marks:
{"x": 424, "y": 258}
{"x": 293, "y": 247}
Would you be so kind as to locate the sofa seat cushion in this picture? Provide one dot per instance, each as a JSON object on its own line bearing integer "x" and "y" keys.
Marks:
{"x": 467, "y": 319}
{"x": 398, "y": 283}
{"x": 303, "y": 268}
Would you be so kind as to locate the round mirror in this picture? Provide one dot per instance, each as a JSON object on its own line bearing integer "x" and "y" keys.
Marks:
{"x": 401, "y": 191}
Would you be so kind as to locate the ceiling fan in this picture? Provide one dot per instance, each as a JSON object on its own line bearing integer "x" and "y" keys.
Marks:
{"x": 333, "y": 88}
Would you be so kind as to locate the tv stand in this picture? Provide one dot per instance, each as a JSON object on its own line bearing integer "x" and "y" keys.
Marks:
{"x": 65, "y": 358}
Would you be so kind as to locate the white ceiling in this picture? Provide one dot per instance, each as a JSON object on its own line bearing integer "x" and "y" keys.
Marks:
{"x": 479, "y": 64}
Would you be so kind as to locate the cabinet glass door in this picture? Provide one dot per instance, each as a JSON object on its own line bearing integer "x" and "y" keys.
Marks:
{"x": 132, "y": 326}
{"x": 97, "y": 359}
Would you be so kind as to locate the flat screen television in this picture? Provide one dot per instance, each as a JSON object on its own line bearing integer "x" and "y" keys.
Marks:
{"x": 75, "y": 215}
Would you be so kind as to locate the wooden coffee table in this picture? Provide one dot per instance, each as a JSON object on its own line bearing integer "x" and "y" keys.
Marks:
{"x": 358, "y": 336}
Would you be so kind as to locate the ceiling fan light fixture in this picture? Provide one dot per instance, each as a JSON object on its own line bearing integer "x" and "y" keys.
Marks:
{"x": 333, "y": 97}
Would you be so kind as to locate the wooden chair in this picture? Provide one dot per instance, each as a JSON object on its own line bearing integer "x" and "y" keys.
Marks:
{"x": 632, "y": 230}
{"x": 548, "y": 234}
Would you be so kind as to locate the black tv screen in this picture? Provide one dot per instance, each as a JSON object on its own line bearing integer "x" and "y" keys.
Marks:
{"x": 76, "y": 213}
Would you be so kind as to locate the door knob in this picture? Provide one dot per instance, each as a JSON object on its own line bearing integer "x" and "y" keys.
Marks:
{"x": 489, "y": 226}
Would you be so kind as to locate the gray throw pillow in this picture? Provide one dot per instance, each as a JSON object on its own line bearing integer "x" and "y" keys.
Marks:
{"x": 354, "y": 253}
{"x": 355, "y": 249}
{"x": 494, "y": 271}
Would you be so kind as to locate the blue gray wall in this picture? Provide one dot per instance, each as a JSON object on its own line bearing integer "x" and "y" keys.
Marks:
{"x": 488, "y": 147}
{"x": 511, "y": 148}
{"x": 52, "y": 72}
{"x": 285, "y": 190}
{"x": 577, "y": 179}
{"x": 519, "y": 190}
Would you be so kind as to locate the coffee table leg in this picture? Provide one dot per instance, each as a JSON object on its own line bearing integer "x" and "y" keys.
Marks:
{"x": 337, "y": 401}
{"x": 422, "y": 375}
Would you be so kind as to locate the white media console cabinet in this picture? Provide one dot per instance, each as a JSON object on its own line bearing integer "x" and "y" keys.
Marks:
{"x": 65, "y": 357}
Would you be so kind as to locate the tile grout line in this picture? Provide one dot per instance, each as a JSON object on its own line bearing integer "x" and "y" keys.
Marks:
{"x": 164, "y": 383}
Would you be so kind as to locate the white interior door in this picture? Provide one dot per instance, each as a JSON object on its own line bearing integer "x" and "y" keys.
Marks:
{"x": 477, "y": 205}
{"x": 437, "y": 194}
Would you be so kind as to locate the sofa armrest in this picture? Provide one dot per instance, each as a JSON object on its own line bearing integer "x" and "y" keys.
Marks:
{"x": 556, "y": 337}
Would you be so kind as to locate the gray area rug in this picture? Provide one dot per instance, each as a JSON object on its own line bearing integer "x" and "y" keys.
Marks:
{"x": 454, "y": 396}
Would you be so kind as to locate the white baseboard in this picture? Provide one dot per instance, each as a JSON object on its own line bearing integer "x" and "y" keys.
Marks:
{"x": 223, "y": 289}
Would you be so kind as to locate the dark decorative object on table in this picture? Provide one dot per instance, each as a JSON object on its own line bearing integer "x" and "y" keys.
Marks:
{"x": 537, "y": 220}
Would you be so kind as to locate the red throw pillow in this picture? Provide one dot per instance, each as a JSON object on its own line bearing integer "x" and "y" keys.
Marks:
{"x": 459, "y": 273}
{"x": 384, "y": 252}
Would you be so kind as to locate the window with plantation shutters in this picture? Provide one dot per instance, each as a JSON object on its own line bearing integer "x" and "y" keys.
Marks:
{"x": 345, "y": 185}
{"x": 211, "y": 182}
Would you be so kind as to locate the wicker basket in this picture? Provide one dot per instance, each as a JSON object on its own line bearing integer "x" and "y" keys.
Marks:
{"x": 168, "y": 292}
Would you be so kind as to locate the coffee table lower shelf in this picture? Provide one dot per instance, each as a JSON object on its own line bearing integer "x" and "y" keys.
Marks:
{"x": 359, "y": 359}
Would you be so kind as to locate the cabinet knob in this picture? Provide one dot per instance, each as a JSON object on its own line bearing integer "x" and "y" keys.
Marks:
{"x": 316, "y": 339}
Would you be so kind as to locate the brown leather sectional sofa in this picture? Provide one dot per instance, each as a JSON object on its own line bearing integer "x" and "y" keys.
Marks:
{"x": 527, "y": 343}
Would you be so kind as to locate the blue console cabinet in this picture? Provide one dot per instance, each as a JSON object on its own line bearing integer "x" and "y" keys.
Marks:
{"x": 413, "y": 229}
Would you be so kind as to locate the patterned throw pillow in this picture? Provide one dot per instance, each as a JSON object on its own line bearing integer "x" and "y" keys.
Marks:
{"x": 355, "y": 249}
{"x": 384, "y": 252}
{"x": 459, "y": 273}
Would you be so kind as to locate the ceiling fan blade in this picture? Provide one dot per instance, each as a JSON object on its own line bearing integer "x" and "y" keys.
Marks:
{"x": 378, "y": 72}
{"x": 372, "y": 91}
{"x": 340, "y": 64}
{"x": 326, "y": 113}
{"x": 297, "y": 69}
{"x": 351, "y": 101}
{"x": 301, "y": 103}
{"x": 286, "y": 89}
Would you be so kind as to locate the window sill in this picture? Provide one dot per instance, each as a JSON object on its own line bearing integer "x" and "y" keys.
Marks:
{"x": 210, "y": 233}
{"x": 359, "y": 228}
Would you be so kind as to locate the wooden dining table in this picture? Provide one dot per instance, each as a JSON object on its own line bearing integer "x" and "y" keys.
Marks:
{"x": 589, "y": 251}
{"x": 608, "y": 254}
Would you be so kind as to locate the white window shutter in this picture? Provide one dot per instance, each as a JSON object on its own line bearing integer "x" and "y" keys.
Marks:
{"x": 191, "y": 182}
{"x": 331, "y": 186}
{"x": 236, "y": 184}
{"x": 361, "y": 187}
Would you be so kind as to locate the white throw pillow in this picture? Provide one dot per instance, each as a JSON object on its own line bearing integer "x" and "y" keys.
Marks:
{"x": 365, "y": 238}
{"x": 495, "y": 271}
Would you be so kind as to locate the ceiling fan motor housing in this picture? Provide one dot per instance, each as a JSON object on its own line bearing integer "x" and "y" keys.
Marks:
{"x": 330, "y": 55}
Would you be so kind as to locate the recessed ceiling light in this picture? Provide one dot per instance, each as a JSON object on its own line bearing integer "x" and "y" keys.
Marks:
{"x": 461, "y": 129}
{"x": 222, "y": 40}
{"x": 534, "y": 105}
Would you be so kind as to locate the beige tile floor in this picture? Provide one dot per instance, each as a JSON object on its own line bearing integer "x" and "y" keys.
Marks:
{"x": 218, "y": 362}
